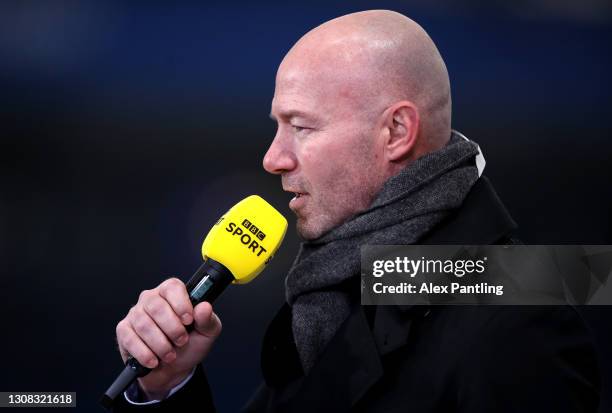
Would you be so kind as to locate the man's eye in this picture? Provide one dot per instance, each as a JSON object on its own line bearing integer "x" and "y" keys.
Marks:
{"x": 297, "y": 128}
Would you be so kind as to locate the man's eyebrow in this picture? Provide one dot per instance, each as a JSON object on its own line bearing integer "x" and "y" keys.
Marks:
{"x": 291, "y": 114}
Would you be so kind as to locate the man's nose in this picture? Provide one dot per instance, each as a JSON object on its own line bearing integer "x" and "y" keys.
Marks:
{"x": 279, "y": 158}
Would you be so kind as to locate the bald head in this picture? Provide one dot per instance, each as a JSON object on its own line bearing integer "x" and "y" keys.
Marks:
{"x": 357, "y": 99}
{"x": 374, "y": 59}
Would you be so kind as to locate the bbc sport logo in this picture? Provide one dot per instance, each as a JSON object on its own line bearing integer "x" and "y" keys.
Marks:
{"x": 253, "y": 229}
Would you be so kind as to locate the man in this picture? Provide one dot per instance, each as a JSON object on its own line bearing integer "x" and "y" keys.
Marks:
{"x": 364, "y": 143}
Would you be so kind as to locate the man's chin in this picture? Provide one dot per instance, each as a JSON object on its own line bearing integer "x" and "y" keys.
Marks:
{"x": 309, "y": 230}
{"x": 304, "y": 232}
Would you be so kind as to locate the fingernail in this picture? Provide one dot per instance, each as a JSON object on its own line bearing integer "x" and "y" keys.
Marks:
{"x": 152, "y": 363}
{"x": 186, "y": 318}
{"x": 169, "y": 357}
{"x": 181, "y": 340}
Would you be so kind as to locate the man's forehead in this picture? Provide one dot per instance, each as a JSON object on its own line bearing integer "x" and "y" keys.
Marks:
{"x": 297, "y": 94}
{"x": 295, "y": 77}
{"x": 314, "y": 91}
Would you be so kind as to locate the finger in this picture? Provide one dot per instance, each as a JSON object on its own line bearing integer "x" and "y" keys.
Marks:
{"x": 131, "y": 344}
{"x": 206, "y": 321}
{"x": 166, "y": 319}
{"x": 151, "y": 335}
{"x": 174, "y": 292}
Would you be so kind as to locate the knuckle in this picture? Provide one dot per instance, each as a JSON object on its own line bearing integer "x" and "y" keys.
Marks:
{"x": 163, "y": 348}
{"x": 142, "y": 355}
{"x": 174, "y": 281}
{"x": 154, "y": 307}
{"x": 120, "y": 328}
{"x": 133, "y": 313}
{"x": 159, "y": 346}
{"x": 143, "y": 295}
{"x": 141, "y": 323}
{"x": 130, "y": 315}
{"x": 128, "y": 343}
{"x": 176, "y": 332}
{"x": 171, "y": 284}
{"x": 142, "y": 327}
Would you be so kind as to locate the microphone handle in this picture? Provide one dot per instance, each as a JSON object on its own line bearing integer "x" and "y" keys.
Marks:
{"x": 205, "y": 285}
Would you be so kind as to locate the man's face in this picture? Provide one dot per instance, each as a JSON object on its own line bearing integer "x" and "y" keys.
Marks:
{"x": 324, "y": 148}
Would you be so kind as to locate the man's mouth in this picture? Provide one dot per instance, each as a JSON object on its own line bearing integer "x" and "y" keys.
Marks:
{"x": 295, "y": 192}
{"x": 298, "y": 199}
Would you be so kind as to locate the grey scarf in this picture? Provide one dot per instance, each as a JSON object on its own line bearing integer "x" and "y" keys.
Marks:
{"x": 408, "y": 206}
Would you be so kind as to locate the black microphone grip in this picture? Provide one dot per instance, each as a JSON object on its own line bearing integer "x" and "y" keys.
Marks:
{"x": 205, "y": 285}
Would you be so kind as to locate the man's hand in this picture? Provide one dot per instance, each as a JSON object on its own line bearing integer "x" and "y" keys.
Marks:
{"x": 154, "y": 333}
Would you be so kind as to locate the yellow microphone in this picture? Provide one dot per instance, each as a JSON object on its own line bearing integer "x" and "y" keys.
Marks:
{"x": 236, "y": 250}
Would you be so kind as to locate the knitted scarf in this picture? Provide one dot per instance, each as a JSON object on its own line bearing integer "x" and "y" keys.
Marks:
{"x": 408, "y": 206}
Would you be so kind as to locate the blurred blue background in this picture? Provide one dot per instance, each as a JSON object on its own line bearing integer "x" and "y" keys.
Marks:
{"x": 126, "y": 129}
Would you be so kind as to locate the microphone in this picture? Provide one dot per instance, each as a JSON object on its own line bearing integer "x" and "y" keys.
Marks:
{"x": 236, "y": 250}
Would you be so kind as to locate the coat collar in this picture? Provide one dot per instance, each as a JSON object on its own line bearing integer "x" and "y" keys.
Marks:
{"x": 482, "y": 220}
{"x": 351, "y": 362}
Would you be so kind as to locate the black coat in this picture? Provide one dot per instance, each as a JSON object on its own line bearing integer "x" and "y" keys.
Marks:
{"x": 429, "y": 359}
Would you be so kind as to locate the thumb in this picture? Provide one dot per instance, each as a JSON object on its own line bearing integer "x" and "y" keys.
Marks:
{"x": 206, "y": 322}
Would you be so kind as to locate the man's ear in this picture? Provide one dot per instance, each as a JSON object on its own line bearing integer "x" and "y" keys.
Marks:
{"x": 401, "y": 124}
